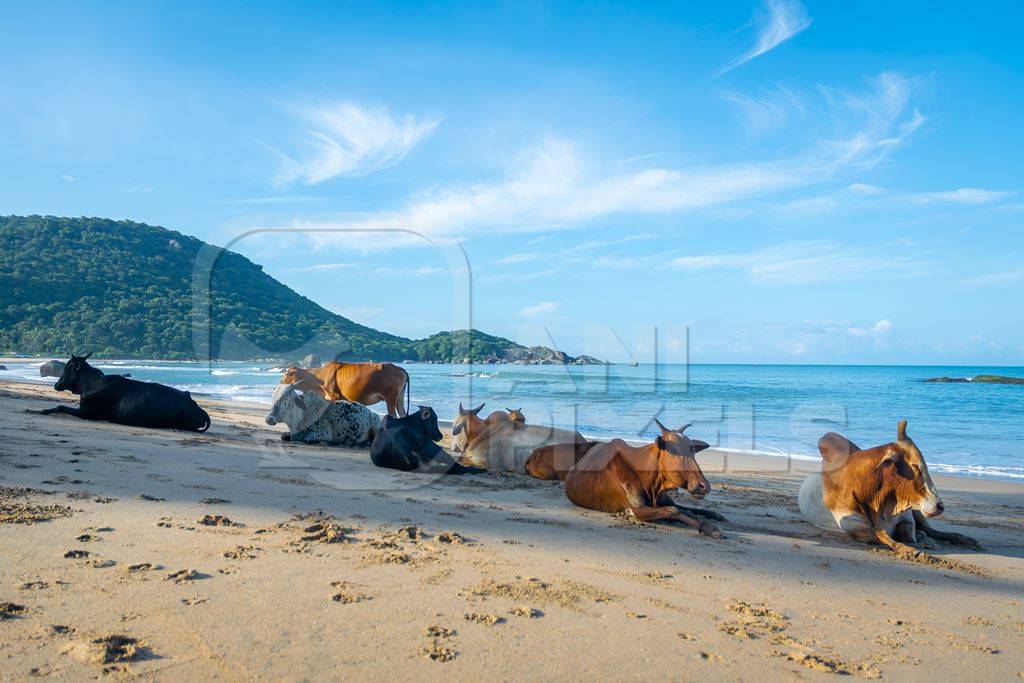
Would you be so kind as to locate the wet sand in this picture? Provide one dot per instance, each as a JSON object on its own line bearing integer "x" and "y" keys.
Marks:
{"x": 229, "y": 554}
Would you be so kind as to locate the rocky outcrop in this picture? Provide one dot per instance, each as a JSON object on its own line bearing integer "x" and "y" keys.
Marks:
{"x": 979, "y": 379}
{"x": 53, "y": 368}
{"x": 540, "y": 355}
{"x": 310, "y": 361}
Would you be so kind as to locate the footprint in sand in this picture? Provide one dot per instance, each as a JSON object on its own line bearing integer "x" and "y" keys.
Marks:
{"x": 216, "y": 520}
{"x": 485, "y": 619}
{"x": 183, "y": 575}
{"x": 438, "y": 649}
{"x": 10, "y": 610}
{"x": 107, "y": 650}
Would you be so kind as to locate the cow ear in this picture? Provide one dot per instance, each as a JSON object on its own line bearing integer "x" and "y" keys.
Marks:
{"x": 894, "y": 459}
{"x": 699, "y": 445}
{"x": 299, "y": 401}
{"x": 660, "y": 443}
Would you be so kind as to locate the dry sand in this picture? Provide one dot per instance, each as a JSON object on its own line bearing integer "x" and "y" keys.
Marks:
{"x": 230, "y": 555}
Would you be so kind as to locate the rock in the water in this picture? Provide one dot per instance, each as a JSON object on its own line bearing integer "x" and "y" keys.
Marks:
{"x": 3, "y": 367}
{"x": 311, "y": 361}
{"x": 53, "y": 368}
{"x": 979, "y": 379}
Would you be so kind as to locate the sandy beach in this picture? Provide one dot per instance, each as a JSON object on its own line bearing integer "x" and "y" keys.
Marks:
{"x": 230, "y": 555}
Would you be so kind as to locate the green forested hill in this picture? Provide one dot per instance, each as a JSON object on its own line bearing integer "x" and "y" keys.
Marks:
{"x": 124, "y": 289}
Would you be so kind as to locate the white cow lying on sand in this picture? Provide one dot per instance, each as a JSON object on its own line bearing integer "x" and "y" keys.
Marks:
{"x": 314, "y": 419}
{"x": 506, "y": 445}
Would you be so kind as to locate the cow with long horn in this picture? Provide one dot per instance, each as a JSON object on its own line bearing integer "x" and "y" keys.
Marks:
{"x": 616, "y": 477}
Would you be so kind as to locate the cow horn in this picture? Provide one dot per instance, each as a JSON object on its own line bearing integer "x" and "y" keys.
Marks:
{"x": 684, "y": 427}
{"x": 662, "y": 427}
{"x": 901, "y": 431}
{"x": 86, "y": 356}
{"x": 462, "y": 411}
{"x": 476, "y": 411}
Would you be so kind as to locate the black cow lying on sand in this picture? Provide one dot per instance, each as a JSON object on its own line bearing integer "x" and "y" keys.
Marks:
{"x": 113, "y": 398}
{"x": 409, "y": 444}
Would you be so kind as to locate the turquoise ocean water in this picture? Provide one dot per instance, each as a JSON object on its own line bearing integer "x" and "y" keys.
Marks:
{"x": 965, "y": 429}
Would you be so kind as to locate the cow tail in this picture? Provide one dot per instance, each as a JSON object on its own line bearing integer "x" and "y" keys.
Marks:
{"x": 408, "y": 391}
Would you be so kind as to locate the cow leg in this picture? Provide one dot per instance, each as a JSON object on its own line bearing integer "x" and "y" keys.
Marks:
{"x": 665, "y": 499}
{"x": 392, "y": 409}
{"x": 947, "y": 536}
{"x": 649, "y": 514}
{"x": 905, "y": 532}
{"x": 883, "y": 537}
{"x": 65, "y": 410}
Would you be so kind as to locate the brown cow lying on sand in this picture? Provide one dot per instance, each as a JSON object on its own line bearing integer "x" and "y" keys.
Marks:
{"x": 882, "y": 494}
{"x": 366, "y": 383}
{"x": 615, "y": 477}
{"x": 469, "y": 425}
{"x": 554, "y": 462}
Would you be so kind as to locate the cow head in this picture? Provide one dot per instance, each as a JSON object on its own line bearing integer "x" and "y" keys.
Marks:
{"x": 677, "y": 461}
{"x": 295, "y": 409}
{"x": 426, "y": 418}
{"x": 902, "y": 467}
{"x": 516, "y": 415}
{"x": 74, "y": 370}
{"x": 466, "y": 426}
{"x": 291, "y": 375}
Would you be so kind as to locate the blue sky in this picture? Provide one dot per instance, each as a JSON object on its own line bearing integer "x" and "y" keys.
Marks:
{"x": 819, "y": 182}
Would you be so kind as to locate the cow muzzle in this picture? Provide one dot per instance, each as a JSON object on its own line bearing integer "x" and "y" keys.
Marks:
{"x": 932, "y": 507}
{"x": 699, "y": 489}
{"x": 271, "y": 420}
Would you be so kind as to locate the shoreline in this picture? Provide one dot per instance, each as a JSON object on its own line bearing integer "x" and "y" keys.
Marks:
{"x": 808, "y": 462}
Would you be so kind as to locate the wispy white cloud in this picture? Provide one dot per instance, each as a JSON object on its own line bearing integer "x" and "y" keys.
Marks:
{"x": 324, "y": 266}
{"x": 769, "y": 111}
{"x": 344, "y": 139}
{"x": 541, "y": 308}
{"x": 517, "y": 277}
{"x": 802, "y": 263}
{"x": 879, "y": 329}
{"x": 864, "y": 188}
{"x": 422, "y": 271}
{"x": 553, "y": 188}
{"x": 780, "y": 21}
{"x": 364, "y": 312}
{"x": 885, "y": 121}
{"x": 518, "y": 258}
{"x": 68, "y": 178}
{"x": 965, "y": 195}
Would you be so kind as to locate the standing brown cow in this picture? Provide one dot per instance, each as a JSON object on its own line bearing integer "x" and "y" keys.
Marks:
{"x": 615, "y": 477}
{"x": 366, "y": 383}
